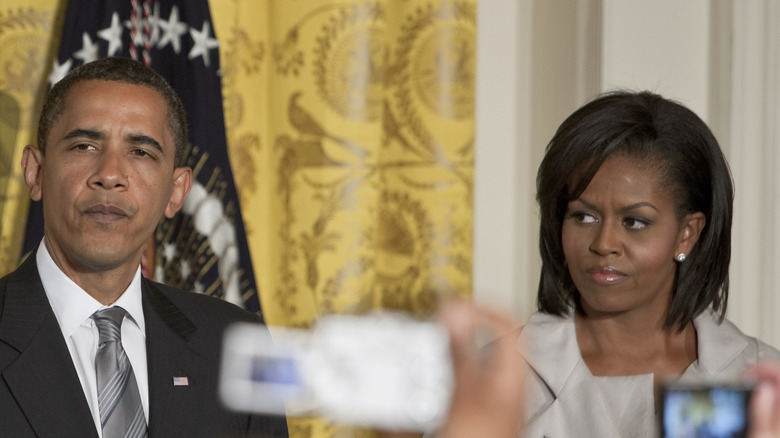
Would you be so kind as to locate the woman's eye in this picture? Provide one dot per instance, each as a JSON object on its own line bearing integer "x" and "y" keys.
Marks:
{"x": 584, "y": 218}
{"x": 635, "y": 223}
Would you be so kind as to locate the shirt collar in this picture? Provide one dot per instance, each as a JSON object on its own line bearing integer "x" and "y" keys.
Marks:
{"x": 552, "y": 350}
{"x": 719, "y": 343}
{"x": 553, "y": 353}
{"x": 72, "y": 305}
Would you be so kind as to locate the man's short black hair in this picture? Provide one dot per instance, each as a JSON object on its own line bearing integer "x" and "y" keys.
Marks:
{"x": 117, "y": 70}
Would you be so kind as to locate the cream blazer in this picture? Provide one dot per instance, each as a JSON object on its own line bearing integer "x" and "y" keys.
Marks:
{"x": 565, "y": 400}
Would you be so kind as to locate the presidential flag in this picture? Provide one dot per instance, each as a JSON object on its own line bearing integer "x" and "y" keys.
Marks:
{"x": 204, "y": 248}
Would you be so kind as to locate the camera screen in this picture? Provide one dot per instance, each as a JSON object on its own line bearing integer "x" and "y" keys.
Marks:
{"x": 705, "y": 411}
{"x": 282, "y": 370}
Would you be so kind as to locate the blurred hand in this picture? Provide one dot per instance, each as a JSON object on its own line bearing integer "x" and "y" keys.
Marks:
{"x": 765, "y": 404}
{"x": 488, "y": 395}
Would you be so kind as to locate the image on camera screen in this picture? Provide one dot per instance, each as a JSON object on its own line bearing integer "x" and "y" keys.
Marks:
{"x": 714, "y": 412}
{"x": 275, "y": 370}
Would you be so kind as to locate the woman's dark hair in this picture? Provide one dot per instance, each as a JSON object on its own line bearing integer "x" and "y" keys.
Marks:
{"x": 647, "y": 127}
{"x": 123, "y": 70}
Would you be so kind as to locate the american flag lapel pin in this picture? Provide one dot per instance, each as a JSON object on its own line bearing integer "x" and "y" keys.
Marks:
{"x": 181, "y": 381}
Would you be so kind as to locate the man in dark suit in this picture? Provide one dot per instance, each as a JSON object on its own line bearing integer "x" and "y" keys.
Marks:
{"x": 108, "y": 166}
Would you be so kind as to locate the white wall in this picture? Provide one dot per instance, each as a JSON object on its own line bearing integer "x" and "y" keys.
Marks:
{"x": 659, "y": 45}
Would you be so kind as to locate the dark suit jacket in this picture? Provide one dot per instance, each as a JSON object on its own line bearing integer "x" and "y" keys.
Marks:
{"x": 40, "y": 392}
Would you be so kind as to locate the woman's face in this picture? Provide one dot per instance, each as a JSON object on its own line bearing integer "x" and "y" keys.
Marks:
{"x": 621, "y": 236}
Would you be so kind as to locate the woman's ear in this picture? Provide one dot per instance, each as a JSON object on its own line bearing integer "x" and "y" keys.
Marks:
{"x": 690, "y": 230}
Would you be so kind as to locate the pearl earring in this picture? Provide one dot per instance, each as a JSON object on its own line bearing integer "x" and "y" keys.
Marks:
{"x": 681, "y": 257}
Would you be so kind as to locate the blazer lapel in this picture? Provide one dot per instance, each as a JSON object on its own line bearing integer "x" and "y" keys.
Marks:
{"x": 169, "y": 355}
{"x": 41, "y": 377}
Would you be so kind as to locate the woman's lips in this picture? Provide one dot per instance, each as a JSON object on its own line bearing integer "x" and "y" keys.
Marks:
{"x": 606, "y": 275}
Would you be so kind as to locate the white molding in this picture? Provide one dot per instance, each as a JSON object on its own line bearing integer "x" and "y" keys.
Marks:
{"x": 770, "y": 329}
{"x": 502, "y": 155}
{"x": 589, "y": 49}
{"x": 753, "y": 142}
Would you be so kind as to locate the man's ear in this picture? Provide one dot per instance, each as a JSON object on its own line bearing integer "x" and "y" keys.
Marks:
{"x": 32, "y": 169}
{"x": 182, "y": 182}
{"x": 690, "y": 230}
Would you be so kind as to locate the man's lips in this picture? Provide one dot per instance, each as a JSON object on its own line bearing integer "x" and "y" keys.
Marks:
{"x": 606, "y": 275}
{"x": 105, "y": 213}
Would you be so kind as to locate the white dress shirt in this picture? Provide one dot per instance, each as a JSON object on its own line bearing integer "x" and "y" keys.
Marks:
{"x": 74, "y": 307}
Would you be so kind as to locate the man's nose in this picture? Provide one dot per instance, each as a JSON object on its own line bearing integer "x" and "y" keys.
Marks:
{"x": 111, "y": 171}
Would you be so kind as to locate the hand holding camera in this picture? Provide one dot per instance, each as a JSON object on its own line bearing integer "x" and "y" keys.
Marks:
{"x": 488, "y": 393}
{"x": 765, "y": 404}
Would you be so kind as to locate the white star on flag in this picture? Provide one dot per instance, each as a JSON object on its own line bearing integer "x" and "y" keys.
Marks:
{"x": 173, "y": 30}
{"x": 169, "y": 251}
{"x": 59, "y": 71}
{"x": 203, "y": 43}
{"x": 185, "y": 269}
{"x": 113, "y": 34}
{"x": 154, "y": 23}
{"x": 89, "y": 50}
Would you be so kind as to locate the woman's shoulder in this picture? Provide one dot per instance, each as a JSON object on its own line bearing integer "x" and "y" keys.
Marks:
{"x": 545, "y": 325}
{"x": 550, "y": 346}
{"x": 546, "y": 319}
{"x": 767, "y": 352}
{"x": 721, "y": 341}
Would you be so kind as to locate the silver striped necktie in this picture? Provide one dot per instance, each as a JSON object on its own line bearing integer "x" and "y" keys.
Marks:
{"x": 121, "y": 412}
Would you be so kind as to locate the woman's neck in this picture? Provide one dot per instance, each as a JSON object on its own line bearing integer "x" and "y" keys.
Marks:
{"x": 624, "y": 346}
{"x": 628, "y": 342}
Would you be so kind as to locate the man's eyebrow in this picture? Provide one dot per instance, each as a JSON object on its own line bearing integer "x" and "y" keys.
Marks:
{"x": 140, "y": 139}
{"x": 87, "y": 133}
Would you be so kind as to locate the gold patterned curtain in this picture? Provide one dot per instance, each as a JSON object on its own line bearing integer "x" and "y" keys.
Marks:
{"x": 27, "y": 42}
{"x": 352, "y": 129}
{"x": 351, "y": 135}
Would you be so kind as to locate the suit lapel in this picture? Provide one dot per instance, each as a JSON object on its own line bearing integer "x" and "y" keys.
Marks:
{"x": 42, "y": 376}
{"x": 169, "y": 355}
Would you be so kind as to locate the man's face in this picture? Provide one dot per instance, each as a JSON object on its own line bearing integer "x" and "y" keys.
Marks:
{"x": 107, "y": 176}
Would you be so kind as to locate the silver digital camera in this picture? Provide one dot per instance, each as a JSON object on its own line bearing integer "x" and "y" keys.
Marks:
{"x": 386, "y": 371}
